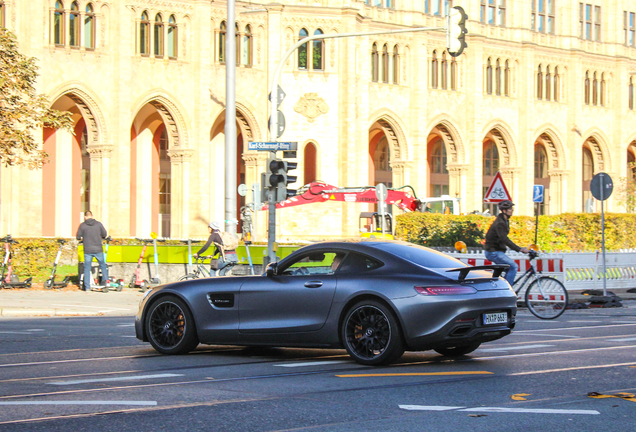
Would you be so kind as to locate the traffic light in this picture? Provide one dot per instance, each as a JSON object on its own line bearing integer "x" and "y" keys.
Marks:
{"x": 456, "y": 31}
{"x": 278, "y": 178}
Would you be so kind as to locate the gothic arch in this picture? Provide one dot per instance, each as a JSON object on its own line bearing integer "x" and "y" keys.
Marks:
{"x": 553, "y": 146}
{"x": 394, "y": 134}
{"x": 451, "y": 137}
{"x": 598, "y": 145}
{"x": 170, "y": 114}
{"x": 89, "y": 109}
{"x": 500, "y": 135}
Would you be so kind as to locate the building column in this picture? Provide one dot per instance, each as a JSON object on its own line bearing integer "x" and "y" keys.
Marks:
{"x": 180, "y": 160}
{"x": 558, "y": 191}
{"x": 100, "y": 180}
{"x": 457, "y": 183}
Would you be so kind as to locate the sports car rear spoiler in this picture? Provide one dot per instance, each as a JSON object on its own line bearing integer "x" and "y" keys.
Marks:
{"x": 497, "y": 269}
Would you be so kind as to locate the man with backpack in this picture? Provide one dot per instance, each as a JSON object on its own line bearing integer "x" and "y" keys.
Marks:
{"x": 225, "y": 245}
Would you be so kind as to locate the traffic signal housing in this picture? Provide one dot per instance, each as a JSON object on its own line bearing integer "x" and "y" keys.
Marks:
{"x": 279, "y": 178}
{"x": 456, "y": 31}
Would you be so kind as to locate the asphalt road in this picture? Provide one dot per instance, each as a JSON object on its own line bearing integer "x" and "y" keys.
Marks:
{"x": 90, "y": 373}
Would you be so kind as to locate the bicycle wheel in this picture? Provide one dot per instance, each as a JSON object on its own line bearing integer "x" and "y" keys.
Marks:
{"x": 546, "y": 298}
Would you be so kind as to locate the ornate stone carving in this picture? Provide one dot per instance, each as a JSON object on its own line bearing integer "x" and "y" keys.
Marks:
{"x": 171, "y": 122}
{"x": 99, "y": 151}
{"x": 180, "y": 155}
{"x": 311, "y": 106}
{"x": 182, "y": 6}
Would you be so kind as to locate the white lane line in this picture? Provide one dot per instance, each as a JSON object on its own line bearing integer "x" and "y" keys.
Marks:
{"x": 14, "y": 332}
{"x": 575, "y": 328}
{"x": 508, "y": 348}
{"x": 572, "y": 368}
{"x": 553, "y": 335}
{"x": 92, "y": 307}
{"x": 76, "y": 360}
{"x": 497, "y": 410}
{"x": 35, "y": 330}
{"x": 429, "y": 408}
{"x": 125, "y": 325}
{"x": 315, "y": 363}
{"x": 629, "y": 339}
{"x": 124, "y": 378}
{"x": 553, "y": 352}
{"x": 623, "y": 322}
{"x": 143, "y": 403}
{"x": 584, "y": 321}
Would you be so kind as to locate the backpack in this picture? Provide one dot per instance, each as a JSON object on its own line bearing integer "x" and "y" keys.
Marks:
{"x": 230, "y": 241}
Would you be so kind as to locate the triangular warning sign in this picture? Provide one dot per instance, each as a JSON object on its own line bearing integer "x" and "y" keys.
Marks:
{"x": 497, "y": 191}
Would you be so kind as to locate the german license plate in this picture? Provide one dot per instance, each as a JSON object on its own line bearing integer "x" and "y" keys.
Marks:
{"x": 496, "y": 318}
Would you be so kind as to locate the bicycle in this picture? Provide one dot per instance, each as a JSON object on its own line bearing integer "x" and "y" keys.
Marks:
{"x": 201, "y": 271}
{"x": 546, "y": 297}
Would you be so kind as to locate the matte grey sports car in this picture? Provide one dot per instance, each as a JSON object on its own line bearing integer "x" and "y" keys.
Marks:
{"x": 375, "y": 298}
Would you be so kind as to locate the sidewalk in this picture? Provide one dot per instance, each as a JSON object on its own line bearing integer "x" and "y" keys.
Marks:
{"x": 70, "y": 301}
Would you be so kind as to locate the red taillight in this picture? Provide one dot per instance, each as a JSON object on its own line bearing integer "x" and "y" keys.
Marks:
{"x": 445, "y": 290}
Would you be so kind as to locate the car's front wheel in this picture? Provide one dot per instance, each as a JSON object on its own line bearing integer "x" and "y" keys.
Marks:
{"x": 371, "y": 334}
{"x": 170, "y": 326}
{"x": 459, "y": 350}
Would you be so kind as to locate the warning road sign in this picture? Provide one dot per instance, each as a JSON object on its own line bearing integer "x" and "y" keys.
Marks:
{"x": 497, "y": 192}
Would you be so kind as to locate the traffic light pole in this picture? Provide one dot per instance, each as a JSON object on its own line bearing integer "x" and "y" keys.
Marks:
{"x": 271, "y": 223}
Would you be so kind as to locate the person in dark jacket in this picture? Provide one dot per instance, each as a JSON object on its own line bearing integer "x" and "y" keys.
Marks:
{"x": 224, "y": 257}
{"x": 91, "y": 232}
{"x": 497, "y": 241}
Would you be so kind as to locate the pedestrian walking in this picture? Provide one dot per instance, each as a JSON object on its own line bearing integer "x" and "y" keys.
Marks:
{"x": 91, "y": 232}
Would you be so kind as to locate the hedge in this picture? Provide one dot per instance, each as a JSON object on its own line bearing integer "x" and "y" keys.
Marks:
{"x": 564, "y": 232}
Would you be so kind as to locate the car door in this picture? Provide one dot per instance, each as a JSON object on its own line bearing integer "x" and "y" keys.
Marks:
{"x": 297, "y": 299}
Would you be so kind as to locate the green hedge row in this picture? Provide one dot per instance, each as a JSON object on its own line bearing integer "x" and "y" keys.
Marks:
{"x": 564, "y": 232}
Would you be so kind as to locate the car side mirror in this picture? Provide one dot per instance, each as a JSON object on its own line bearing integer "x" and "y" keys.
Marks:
{"x": 271, "y": 269}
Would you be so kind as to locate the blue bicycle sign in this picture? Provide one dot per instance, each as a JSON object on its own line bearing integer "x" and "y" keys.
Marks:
{"x": 537, "y": 193}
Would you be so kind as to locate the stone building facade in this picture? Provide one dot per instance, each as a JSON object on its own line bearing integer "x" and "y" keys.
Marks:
{"x": 543, "y": 94}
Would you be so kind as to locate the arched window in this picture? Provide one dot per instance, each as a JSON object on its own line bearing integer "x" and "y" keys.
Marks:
{"x": 548, "y": 84}
{"x": 489, "y": 77}
{"x": 58, "y": 23}
{"x": 222, "y": 36}
{"x": 237, "y": 46}
{"x": 302, "y": 50}
{"x": 165, "y": 183}
{"x": 602, "y": 90}
{"x": 557, "y": 83}
{"x": 444, "y": 71}
{"x": 587, "y": 88}
{"x": 539, "y": 84}
{"x": 309, "y": 164}
{"x": 374, "y": 63}
{"x": 74, "y": 26}
{"x": 587, "y": 174}
{"x": 594, "y": 90}
{"x": 85, "y": 173}
{"x": 491, "y": 159}
{"x": 631, "y": 94}
{"x": 385, "y": 64}
{"x": 247, "y": 46}
{"x": 396, "y": 65}
{"x": 89, "y": 27}
{"x": 438, "y": 158}
{"x": 439, "y": 178}
{"x": 158, "y": 33}
{"x": 631, "y": 164}
{"x": 318, "y": 53}
{"x": 172, "y": 42}
{"x": 434, "y": 70}
{"x": 144, "y": 34}
{"x": 507, "y": 79}
{"x": 497, "y": 78}
{"x": 453, "y": 74}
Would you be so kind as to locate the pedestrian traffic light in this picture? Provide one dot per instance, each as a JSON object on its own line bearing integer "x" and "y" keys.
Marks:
{"x": 279, "y": 179}
{"x": 456, "y": 31}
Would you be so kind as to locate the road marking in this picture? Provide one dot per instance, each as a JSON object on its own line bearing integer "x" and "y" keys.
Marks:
{"x": 14, "y": 332}
{"x": 572, "y": 368}
{"x": 554, "y": 352}
{"x": 35, "y": 330}
{"x": 497, "y": 410}
{"x": 106, "y": 308}
{"x": 575, "y": 328}
{"x": 125, "y": 325}
{"x": 514, "y": 348}
{"x": 143, "y": 403}
{"x": 416, "y": 374}
{"x": 553, "y": 335}
{"x": 77, "y": 360}
{"x": 316, "y": 363}
{"x": 623, "y": 339}
{"x": 584, "y": 321}
{"x": 125, "y": 378}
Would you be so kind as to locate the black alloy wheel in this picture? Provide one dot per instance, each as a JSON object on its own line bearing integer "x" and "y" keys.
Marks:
{"x": 459, "y": 350}
{"x": 371, "y": 334}
{"x": 170, "y": 326}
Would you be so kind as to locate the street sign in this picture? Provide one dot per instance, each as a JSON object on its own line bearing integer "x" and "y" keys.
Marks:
{"x": 537, "y": 193}
{"x": 381, "y": 192}
{"x": 281, "y": 95}
{"x": 242, "y": 189}
{"x": 272, "y": 146}
{"x": 497, "y": 192}
{"x": 601, "y": 186}
{"x": 281, "y": 124}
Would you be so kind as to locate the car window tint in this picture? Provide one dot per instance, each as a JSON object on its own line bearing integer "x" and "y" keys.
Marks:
{"x": 314, "y": 263}
{"x": 356, "y": 263}
{"x": 422, "y": 256}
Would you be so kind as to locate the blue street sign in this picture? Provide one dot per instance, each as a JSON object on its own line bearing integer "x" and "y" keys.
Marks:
{"x": 272, "y": 146}
{"x": 537, "y": 194}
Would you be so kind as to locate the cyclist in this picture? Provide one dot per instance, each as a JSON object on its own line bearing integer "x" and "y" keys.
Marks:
{"x": 497, "y": 241}
{"x": 226, "y": 259}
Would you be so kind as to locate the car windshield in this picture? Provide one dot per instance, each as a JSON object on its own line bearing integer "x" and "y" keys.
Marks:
{"x": 421, "y": 255}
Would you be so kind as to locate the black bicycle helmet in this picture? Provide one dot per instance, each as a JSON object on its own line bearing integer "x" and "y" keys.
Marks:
{"x": 505, "y": 205}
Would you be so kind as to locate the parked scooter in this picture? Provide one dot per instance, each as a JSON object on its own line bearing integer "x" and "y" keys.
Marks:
{"x": 11, "y": 280}
{"x": 137, "y": 281}
{"x": 155, "y": 280}
{"x": 50, "y": 283}
{"x": 106, "y": 285}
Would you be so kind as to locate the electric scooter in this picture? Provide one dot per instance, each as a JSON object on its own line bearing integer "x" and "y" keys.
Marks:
{"x": 11, "y": 280}
{"x": 112, "y": 282}
{"x": 50, "y": 283}
{"x": 155, "y": 280}
{"x": 106, "y": 286}
{"x": 137, "y": 281}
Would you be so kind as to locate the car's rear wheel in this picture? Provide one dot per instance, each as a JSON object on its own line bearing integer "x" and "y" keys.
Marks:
{"x": 459, "y": 350}
{"x": 371, "y": 334}
{"x": 170, "y": 326}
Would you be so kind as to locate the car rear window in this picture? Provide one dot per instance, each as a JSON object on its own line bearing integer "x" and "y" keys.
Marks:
{"x": 422, "y": 256}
